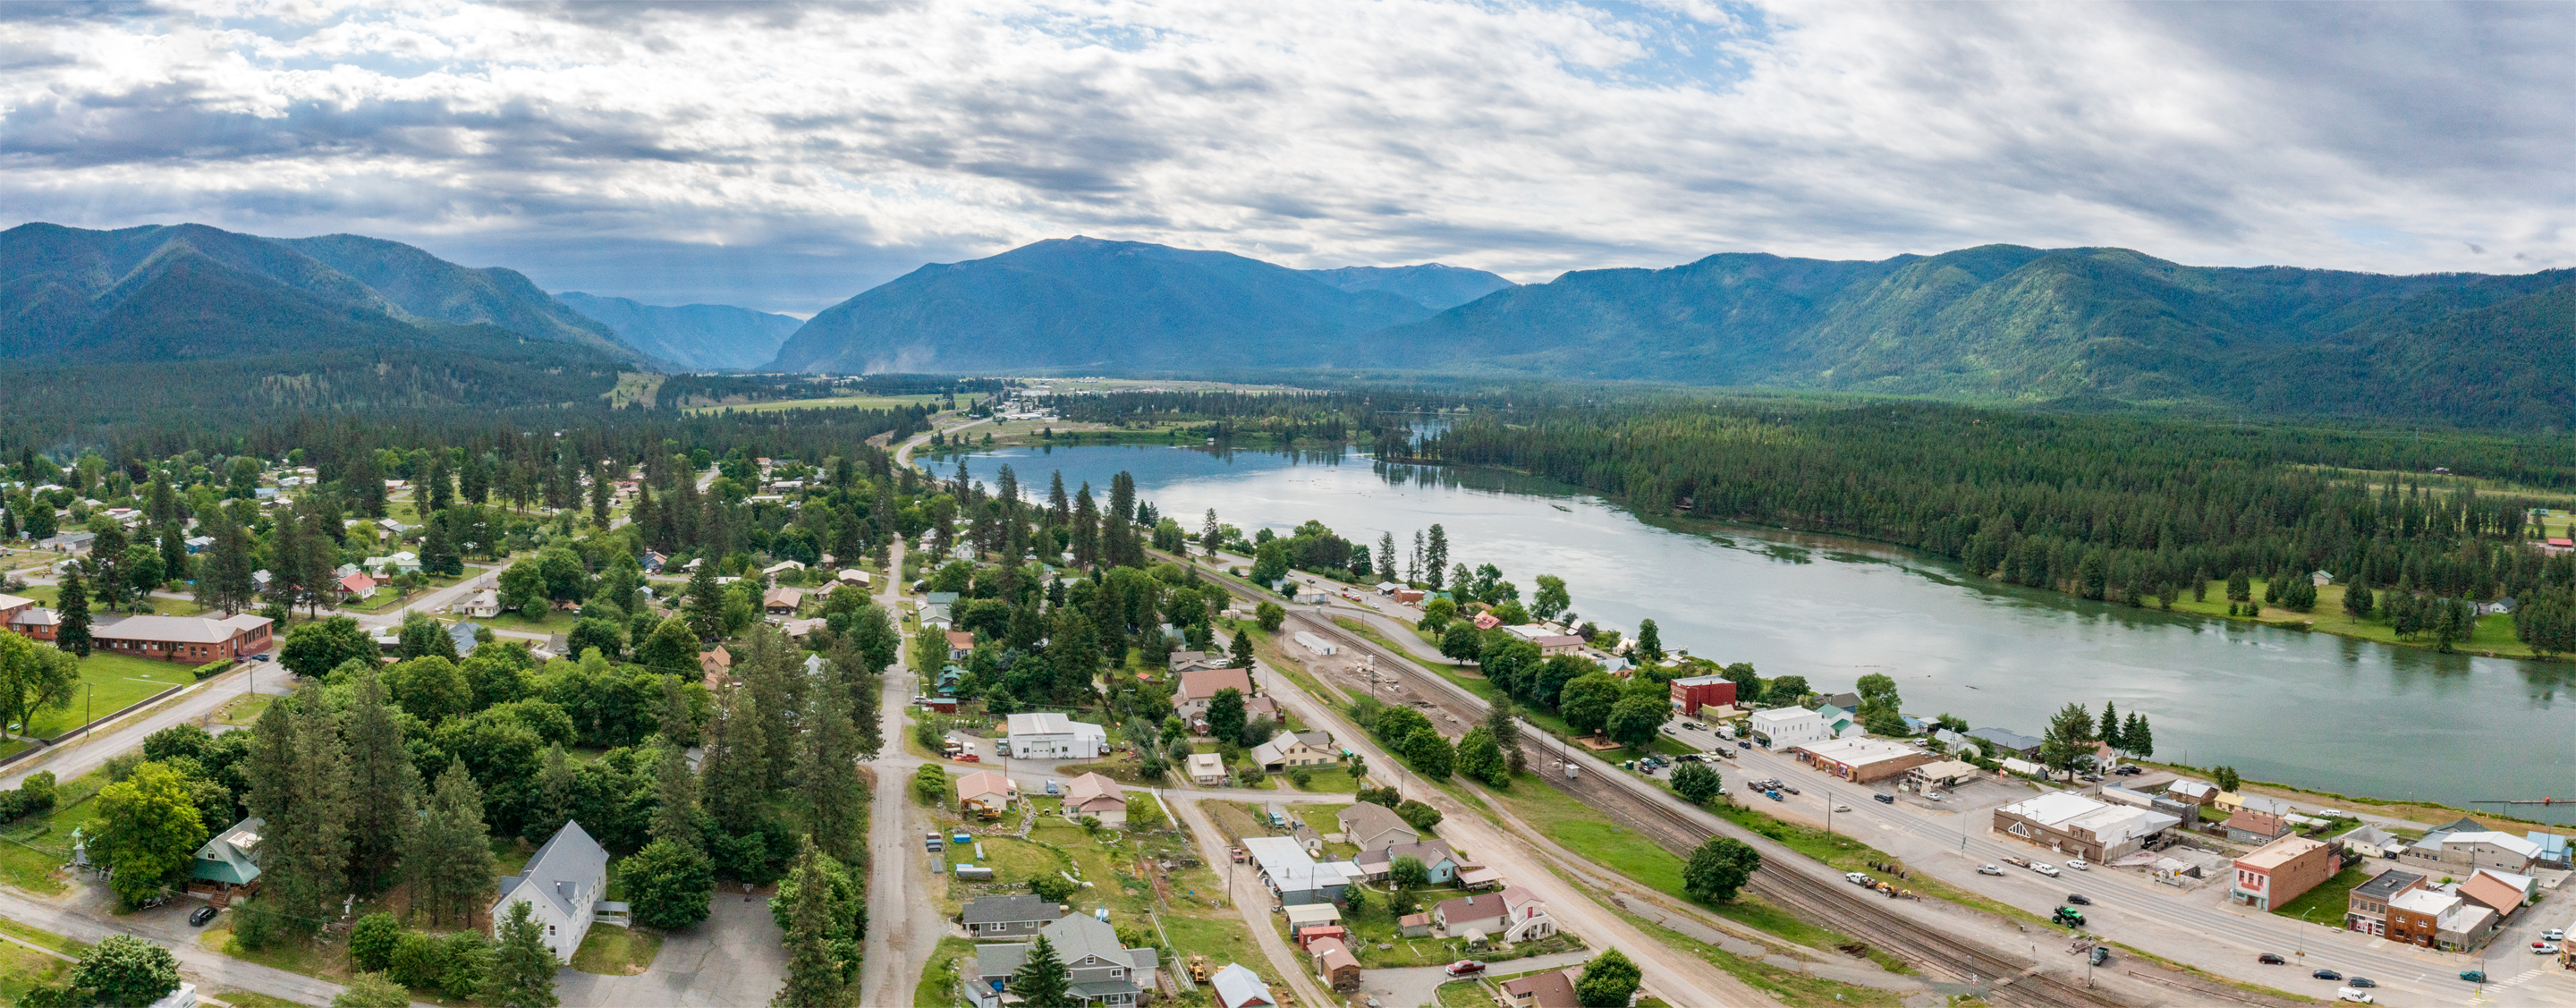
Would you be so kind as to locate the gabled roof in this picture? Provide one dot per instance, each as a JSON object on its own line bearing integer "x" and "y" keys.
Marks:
{"x": 1470, "y": 908}
{"x": 1091, "y": 786}
{"x": 2492, "y": 891}
{"x": 569, "y": 861}
{"x": 2508, "y": 841}
{"x": 1368, "y": 820}
{"x": 2009, "y": 740}
{"x": 1202, "y": 684}
{"x": 1237, "y": 986}
{"x": 232, "y": 856}
{"x": 1429, "y": 852}
{"x": 1541, "y": 990}
{"x": 981, "y": 783}
{"x": 1012, "y": 910}
{"x": 179, "y": 629}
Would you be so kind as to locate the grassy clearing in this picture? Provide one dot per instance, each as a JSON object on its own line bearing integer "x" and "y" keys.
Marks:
{"x": 113, "y": 682}
{"x": 1786, "y": 987}
{"x": 23, "y": 969}
{"x": 2326, "y": 903}
{"x": 32, "y": 848}
{"x": 48, "y": 939}
{"x": 1577, "y": 827}
{"x": 248, "y": 999}
{"x": 1464, "y": 994}
{"x": 48, "y": 595}
{"x": 245, "y": 710}
{"x": 552, "y": 621}
{"x": 836, "y": 402}
{"x": 938, "y": 986}
{"x": 1326, "y": 780}
{"x": 1842, "y": 851}
{"x": 609, "y": 950}
{"x": 2493, "y": 636}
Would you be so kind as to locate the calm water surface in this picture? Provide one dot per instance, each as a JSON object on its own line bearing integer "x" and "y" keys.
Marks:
{"x": 2312, "y": 709}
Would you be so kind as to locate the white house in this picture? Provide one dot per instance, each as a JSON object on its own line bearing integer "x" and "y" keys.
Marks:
{"x": 1207, "y": 769}
{"x": 1788, "y": 726}
{"x": 483, "y": 604}
{"x": 561, "y": 886}
{"x": 1047, "y": 735}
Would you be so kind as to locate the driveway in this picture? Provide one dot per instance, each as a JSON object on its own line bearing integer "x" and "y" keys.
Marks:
{"x": 737, "y": 956}
{"x": 1419, "y": 985}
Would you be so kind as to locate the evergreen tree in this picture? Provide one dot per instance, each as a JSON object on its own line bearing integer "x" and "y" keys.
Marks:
{"x": 450, "y": 859}
{"x": 300, "y": 785}
{"x": 73, "y": 635}
{"x": 383, "y": 786}
{"x": 706, "y": 601}
{"x": 827, "y": 781}
{"x": 737, "y": 783}
{"x": 2137, "y": 738}
{"x": 669, "y": 885}
{"x": 2357, "y": 601}
{"x": 2108, "y": 726}
{"x": 1241, "y": 654}
{"x": 675, "y": 809}
{"x": 1042, "y": 981}
{"x": 1649, "y": 649}
{"x": 1435, "y": 556}
{"x": 814, "y": 967}
{"x": 523, "y": 970}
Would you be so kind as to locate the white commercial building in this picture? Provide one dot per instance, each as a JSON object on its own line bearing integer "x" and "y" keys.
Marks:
{"x": 1048, "y": 735}
{"x": 2079, "y": 825}
{"x": 1788, "y": 726}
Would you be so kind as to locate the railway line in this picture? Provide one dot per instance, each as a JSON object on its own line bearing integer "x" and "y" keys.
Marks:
{"x": 1785, "y": 880}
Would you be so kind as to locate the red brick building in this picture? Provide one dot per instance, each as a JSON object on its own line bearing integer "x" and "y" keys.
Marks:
{"x": 27, "y": 619}
{"x": 194, "y": 640}
{"x": 1689, "y": 695}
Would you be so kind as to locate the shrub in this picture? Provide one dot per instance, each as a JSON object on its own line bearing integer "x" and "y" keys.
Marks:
{"x": 372, "y": 940}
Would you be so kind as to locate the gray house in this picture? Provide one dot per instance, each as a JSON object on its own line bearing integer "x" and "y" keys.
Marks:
{"x": 1010, "y": 916}
{"x": 1102, "y": 972}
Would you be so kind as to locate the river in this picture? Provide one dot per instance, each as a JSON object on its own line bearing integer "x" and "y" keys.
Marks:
{"x": 2307, "y": 709}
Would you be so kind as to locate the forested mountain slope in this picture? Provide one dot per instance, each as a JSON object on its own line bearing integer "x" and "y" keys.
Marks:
{"x": 1432, "y": 285}
{"x": 708, "y": 337}
{"x": 1083, "y": 302}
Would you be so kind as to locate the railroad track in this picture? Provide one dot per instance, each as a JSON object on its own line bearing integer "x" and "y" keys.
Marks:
{"x": 1839, "y": 906}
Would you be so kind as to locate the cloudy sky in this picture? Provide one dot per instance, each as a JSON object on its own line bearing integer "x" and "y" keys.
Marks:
{"x": 785, "y": 157}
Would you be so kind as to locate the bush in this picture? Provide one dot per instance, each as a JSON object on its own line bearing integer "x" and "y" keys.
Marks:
{"x": 930, "y": 784}
{"x": 372, "y": 940}
{"x": 1302, "y": 776}
{"x": 1053, "y": 888}
{"x": 1417, "y": 814}
{"x": 415, "y": 961}
{"x": 210, "y": 670}
{"x": 372, "y": 990}
{"x": 1270, "y": 616}
{"x": 464, "y": 964}
{"x": 34, "y": 797}
{"x": 254, "y": 924}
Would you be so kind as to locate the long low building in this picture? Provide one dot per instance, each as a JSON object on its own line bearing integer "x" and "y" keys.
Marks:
{"x": 1296, "y": 876}
{"x": 1048, "y": 735}
{"x": 2078, "y": 825}
{"x": 1861, "y": 760}
{"x": 193, "y": 640}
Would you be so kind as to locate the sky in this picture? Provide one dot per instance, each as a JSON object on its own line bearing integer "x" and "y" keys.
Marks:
{"x": 785, "y": 157}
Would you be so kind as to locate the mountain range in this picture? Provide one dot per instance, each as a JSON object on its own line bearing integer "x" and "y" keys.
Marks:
{"x": 348, "y": 321}
{"x": 699, "y": 337}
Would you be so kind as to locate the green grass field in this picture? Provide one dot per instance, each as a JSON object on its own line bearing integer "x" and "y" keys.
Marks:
{"x": 2494, "y": 634}
{"x": 113, "y": 681}
{"x": 49, "y": 595}
{"x": 609, "y": 950}
{"x": 1577, "y": 827}
{"x": 843, "y": 402}
{"x": 2326, "y": 903}
{"x": 938, "y": 986}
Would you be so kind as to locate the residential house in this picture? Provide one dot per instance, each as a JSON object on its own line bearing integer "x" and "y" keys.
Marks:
{"x": 357, "y": 585}
{"x": 2370, "y": 841}
{"x": 1289, "y": 750}
{"x": 1193, "y": 661}
{"x": 1369, "y": 826}
{"x": 782, "y": 601}
{"x": 1862, "y": 760}
{"x": 2195, "y": 792}
{"x": 986, "y": 790}
{"x": 653, "y": 561}
{"x": 1956, "y": 744}
{"x": 1551, "y": 989}
{"x": 191, "y": 640}
{"x": 198, "y": 544}
{"x": 1237, "y": 986}
{"x": 1845, "y": 701}
{"x": 2250, "y": 826}
{"x": 1335, "y": 964}
{"x": 1417, "y": 925}
{"x": 229, "y": 863}
{"x": 561, "y": 886}
{"x": 36, "y": 623}
{"x": 67, "y": 542}
{"x": 1048, "y": 735}
{"x": 2000, "y": 743}
{"x": 1437, "y": 859}
{"x": 769, "y": 574}
{"x": 2281, "y": 871}
{"x": 1295, "y": 875}
{"x": 1525, "y": 916}
{"x": 853, "y": 576}
{"x": 1689, "y": 695}
{"x": 2366, "y": 907}
{"x": 405, "y": 562}
{"x": 1097, "y": 796}
{"x": 1207, "y": 769}
{"x": 2414, "y": 916}
{"x": 1787, "y": 727}
{"x": 1103, "y": 973}
{"x": 466, "y": 635}
{"x": 1838, "y": 722}
{"x": 716, "y": 664}
{"x": 1471, "y": 917}
{"x": 961, "y": 644}
{"x": 1200, "y": 686}
{"x": 483, "y": 604}
{"x": 2074, "y": 824}
{"x": 1009, "y": 916}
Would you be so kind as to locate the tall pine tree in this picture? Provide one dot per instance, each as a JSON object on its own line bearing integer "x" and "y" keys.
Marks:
{"x": 1042, "y": 981}
{"x": 523, "y": 968}
{"x": 814, "y": 968}
{"x": 827, "y": 781}
{"x": 450, "y": 861}
{"x": 73, "y": 635}
{"x": 384, "y": 789}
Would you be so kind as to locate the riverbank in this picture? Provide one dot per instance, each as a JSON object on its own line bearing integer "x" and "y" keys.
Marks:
{"x": 2432, "y": 814}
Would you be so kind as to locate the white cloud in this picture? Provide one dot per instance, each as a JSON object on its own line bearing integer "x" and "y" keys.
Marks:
{"x": 787, "y": 156}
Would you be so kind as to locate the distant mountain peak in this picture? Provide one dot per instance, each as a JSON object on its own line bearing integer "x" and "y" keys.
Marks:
{"x": 697, "y": 336}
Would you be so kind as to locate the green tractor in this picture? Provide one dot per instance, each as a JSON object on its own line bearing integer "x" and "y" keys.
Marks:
{"x": 2069, "y": 916}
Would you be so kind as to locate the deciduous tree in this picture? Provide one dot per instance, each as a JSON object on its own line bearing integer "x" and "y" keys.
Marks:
{"x": 149, "y": 830}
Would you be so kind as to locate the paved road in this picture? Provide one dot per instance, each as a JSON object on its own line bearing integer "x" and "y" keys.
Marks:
{"x": 903, "y": 930}
{"x": 168, "y": 927}
{"x": 72, "y": 759}
{"x": 1252, "y": 899}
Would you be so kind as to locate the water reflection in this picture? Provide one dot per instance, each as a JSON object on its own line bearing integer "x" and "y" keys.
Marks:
{"x": 2331, "y": 712}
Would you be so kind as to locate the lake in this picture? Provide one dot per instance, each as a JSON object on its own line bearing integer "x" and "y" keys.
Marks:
{"x": 2309, "y": 709}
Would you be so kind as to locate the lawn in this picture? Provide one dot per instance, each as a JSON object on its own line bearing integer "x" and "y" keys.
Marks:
{"x": 1787, "y": 987}
{"x": 2326, "y": 903}
{"x": 2494, "y": 634}
{"x": 23, "y": 969}
{"x": 938, "y": 986}
{"x": 1464, "y": 994}
{"x": 1327, "y": 780}
{"x": 48, "y": 939}
{"x": 1577, "y": 827}
{"x": 609, "y": 950}
{"x": 552, "y": 621}
{"x": 113, "y": 681}
{"x": 247, "y": 999}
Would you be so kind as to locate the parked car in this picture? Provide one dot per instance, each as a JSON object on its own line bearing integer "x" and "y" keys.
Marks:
{"x": 2334, "y": 813}
{"x": 1742, "y": 744}
{"x": 1987, "y": 869}
{"x": 2354, "y": 996}
{"x": 2270, "y": 959}
{"x": 2079, "y": 899}
{"x": 2360, "y": 981}
{"x": 2101, "y": 954}
{"x": 1792, "y": 789}
{"x": 2326, "y": 975}
{"x": 202, "y": 915}
{"x": 1773, "y": 795}
{"x": 1935, "y": 796}
{"x": 2078, "y": 864}
{"x": 1466, "y": 967}
{"x": 2543, "y": 948}
{"x": 1885, "y": 799}
{"x": 2555, "y": 934}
